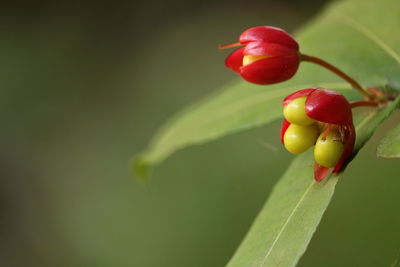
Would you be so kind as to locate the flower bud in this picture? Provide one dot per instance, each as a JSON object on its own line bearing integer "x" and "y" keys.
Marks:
{"x": 328, "y": 149}
{"x": 295, "y": 112}
{"x": 297, "y": 138}
{"x": 268, "y": 55}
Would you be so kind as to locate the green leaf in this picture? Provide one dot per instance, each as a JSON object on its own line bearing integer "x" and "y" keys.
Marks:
{"x": 389, "y": 146}
{"x": 284, "y": 227}
{"x": 229, "y": 111}
{"x": 359, "y": 36}
{"x": 371, "y": 121}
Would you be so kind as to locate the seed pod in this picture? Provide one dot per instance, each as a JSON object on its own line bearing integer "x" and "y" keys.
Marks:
{"x": 295, "y": 112}
{"x": 267, "y": 55}
{"x": 328, "y": 150}
{"x": 298, "y": 138}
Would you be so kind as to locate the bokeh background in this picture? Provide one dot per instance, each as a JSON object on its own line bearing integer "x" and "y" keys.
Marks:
{"x": 85, "y": 84}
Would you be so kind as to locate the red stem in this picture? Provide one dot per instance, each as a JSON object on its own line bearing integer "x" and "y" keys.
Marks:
{"x": 338, "y": 72}
{"x": 361, "y": 103}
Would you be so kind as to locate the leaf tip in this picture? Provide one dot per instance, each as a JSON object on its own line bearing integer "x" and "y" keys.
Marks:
{"x": 141, "y": 168}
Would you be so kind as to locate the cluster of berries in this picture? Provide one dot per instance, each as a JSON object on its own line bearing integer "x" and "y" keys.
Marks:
{"x": 313, "y": 117}
{"x": 322, "y": 118}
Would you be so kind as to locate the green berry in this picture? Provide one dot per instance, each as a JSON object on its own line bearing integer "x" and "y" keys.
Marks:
{"x": 298, "y": 138}
{"x": 295, "y": 112}
{"x": 328, "y": 150}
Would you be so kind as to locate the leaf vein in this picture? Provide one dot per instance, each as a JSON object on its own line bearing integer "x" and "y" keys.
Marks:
{"x": 370, "y": 35}
{"x": 287, "y": 222}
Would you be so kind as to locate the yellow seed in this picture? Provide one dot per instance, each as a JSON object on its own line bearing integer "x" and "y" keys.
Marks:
{"x": 298, "y": 138}
{"x": 327, "y": 151}
{"x": 250, "y": 59}
{"x": 295, "y": 112}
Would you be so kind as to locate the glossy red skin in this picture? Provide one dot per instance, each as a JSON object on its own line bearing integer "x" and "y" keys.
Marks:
{"x": 270, "y": 70}
{"x": 348, "y": 148}
{"x": 235, "y": 60}
{"x": 271, "y": 49}
{"x": 284, "y": 127}
{"x": 324, "y": 105}
{"x": 282, "y": 51}
{"x": 297, "y": 94}
{"x": 268, "y": 34}
{"x": 320, "y": 172}
{"x": 282, "y": 63}
{"x": 330, "y": 107}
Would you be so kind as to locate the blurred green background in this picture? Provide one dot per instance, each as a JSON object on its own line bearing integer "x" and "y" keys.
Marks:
{"x": 84, "y": 86}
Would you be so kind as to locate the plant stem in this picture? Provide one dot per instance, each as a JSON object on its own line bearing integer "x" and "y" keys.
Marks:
{"x": 361, "y": 103}
{"x": 222, "y": 47}
{"x": 338, "y": 72}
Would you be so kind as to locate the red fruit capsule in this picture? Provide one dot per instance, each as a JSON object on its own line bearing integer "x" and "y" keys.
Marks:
{"x": 332, "y": 112}
{"x": 268, "y": 34}
{"x": 270, "y": 55}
